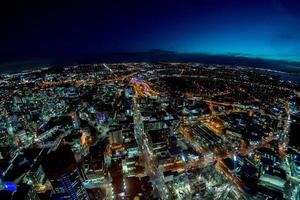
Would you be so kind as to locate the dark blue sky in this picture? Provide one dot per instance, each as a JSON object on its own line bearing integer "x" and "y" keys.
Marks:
{"x": 45, "y": 30}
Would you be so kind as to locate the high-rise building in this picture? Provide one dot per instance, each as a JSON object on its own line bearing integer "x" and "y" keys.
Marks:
{"x": 61, "y": 169}
{"x": 75, "y": 120}
{"x": 116, "y": 136}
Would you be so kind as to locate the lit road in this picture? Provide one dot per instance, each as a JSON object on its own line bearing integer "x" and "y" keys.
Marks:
{"x": 283, "y": 138}
{"x": 144, "y": 146}
{"x": 142, "y": 87}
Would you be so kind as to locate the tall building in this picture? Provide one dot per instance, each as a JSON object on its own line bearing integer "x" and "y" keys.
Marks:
{"x": 61, "y": 169}
{"x": 75, "y": 120}
{"x": 116, "y": 136}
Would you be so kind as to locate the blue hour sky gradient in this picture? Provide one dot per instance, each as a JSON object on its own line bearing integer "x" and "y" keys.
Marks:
{"x": 34, "y": 30}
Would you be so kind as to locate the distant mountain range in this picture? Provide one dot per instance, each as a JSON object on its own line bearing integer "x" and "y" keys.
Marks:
{"x": 157, "y": 55}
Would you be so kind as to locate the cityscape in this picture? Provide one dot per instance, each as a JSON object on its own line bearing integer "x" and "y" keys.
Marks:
{"x": 149, "y": 131}
{"x": 150, "y": 100}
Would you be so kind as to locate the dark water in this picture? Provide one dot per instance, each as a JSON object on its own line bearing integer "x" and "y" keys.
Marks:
{"x": 15, "y": 67}
{"x": 285, "y": 76}
{"x": 290, "y": 78}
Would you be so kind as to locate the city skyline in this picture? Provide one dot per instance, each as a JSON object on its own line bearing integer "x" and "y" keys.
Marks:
{"x": 150, "y": 100}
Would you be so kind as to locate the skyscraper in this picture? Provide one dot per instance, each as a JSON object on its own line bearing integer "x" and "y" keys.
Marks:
{"x": 61, "y": 169}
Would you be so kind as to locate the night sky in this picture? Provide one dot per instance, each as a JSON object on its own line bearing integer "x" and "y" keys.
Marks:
{"x": 45, "y": 30}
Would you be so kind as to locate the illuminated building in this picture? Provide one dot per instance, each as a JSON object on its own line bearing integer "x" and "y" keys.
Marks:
{"x": 16, "y": 192}
{"x": 273, "y": 178}
{"x": 75, "y": 120}
{"x": 61, "y": 169}
{"x": 206, "y": 136}
{"x": 25, "y": 192}
{"x": 8, "y": 186}
{"x": 116, "y": 136}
